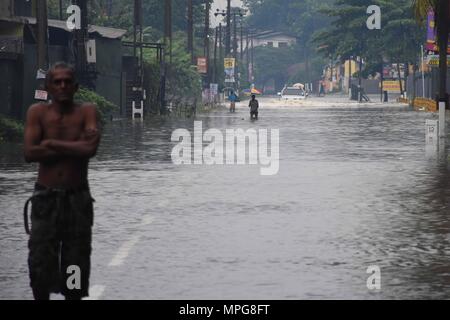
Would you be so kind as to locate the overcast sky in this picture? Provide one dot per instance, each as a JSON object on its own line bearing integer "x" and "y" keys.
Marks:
{"x": 221, "y": 4}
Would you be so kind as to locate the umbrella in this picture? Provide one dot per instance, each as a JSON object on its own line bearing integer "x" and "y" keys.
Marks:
{"x": 255, "y": 91}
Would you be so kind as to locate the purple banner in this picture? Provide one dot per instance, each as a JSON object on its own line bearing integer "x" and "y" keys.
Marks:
{"x": 431, "y": 34}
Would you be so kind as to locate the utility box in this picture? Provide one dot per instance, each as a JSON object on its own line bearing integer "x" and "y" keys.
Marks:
{"x": 432, "y": 131}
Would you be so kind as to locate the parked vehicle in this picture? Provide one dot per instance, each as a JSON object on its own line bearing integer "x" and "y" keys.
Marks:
{"x": 293, "y": 93}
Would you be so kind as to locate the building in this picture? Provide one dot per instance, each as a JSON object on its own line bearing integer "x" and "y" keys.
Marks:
{"x": 18, "y": 58}
{"x": 273, "y": 39}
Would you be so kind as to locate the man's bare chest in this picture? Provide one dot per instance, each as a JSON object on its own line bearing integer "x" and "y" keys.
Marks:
{"x": 63, "y": 126}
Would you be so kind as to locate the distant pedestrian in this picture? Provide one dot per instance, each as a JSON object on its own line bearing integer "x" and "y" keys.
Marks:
{"x": 232, "y": 97}
{"x": 254, "y": 106}
{"x": 321, "y": 88}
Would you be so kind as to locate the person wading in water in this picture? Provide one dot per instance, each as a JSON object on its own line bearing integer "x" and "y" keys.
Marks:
{"x": 61, "y": 136}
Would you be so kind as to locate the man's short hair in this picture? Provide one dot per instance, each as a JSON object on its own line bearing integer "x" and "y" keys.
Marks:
{"x": 59, "y": 65}
{"x": 253, "y": 96}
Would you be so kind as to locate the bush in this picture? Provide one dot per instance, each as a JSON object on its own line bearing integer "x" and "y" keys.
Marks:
{"x": 10, "y": 129}
{"x": 105, "y": 108}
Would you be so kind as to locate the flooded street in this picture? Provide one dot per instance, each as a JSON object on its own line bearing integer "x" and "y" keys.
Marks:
{"x": 355, "y": 188}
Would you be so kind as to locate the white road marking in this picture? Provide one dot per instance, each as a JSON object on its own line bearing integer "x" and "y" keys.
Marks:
{"x": 95, "y": 292}
{"x": 123, "y": 251}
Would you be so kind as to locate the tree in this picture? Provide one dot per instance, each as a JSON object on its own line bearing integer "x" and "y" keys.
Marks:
{"x": 442, "y": 12}
{"x": 398, "y": 39}
{"x": 401, "y": 28}
{"x": 300, "y": 19}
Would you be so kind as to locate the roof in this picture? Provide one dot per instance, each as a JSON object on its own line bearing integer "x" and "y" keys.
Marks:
{"x": 271, "y": 33}
{"x": 106, "y": 32}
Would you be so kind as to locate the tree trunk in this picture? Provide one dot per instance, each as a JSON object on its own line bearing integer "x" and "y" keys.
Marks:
{"x": 350, "y": 74}
{"x": 414, "y": 86}
{"x": 400, "y": 79}
{"x": 190, "y": 25}
{"x": 360, "y": 80}
{"x": 381, "y": 81}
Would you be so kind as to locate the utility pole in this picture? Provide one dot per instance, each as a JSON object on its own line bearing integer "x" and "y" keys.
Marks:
{"x": 242, "y": 41}
{"x": 60, "y": 10}
{"x": 234, "y": 36}
{"x": 206, "y": 49}
{"x": 168, "y": 26}
{"x": 220, "y": 46}
{"x": 168, "y": 50}
{"x": 228, "y": 32}
{"x": 138, "y": 38}
{"x": 190, "y": 22}
{"x": 247, "y": 55}
{"x": 81, "y": 36}
{"x": 42, "y": 40}
{"x": 214, "y": 75}
{"x": 252, "y": 59}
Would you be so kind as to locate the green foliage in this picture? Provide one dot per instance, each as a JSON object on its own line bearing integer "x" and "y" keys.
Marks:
{"x": 398, "y": 40}
{"x": 104, "y": 107}
{"x": 10, "y": 129}
{"x": 183, "y": 80}
{"x": 300, "y": 19}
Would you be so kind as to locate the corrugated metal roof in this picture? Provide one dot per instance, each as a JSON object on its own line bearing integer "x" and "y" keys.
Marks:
{"x": 105, "y": 32}
{"x": 270, "y": 33}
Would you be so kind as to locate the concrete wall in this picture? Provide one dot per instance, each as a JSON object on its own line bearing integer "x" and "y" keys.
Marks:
{"x": 10, "y": 88}
{"x": 6, "y": 8}
{"x": 431, "y": 84}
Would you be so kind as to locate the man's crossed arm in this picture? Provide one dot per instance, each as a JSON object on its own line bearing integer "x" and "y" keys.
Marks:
{"x": 50, "y": 149}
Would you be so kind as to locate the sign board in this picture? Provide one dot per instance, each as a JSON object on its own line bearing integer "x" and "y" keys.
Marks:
{"x": 390, "y": 71}
{"x": 431, "y": 131}
{"x": 433, "y": 60}
{"x": 393, "y": 85}
{"x": 91, "y": 54}
{"x": 214, "y": 89}
{"x": 202, "y": 65}
{"x": 41, "y": 74}
{"x": 432, "y": 35}
{"x": 40, "y": 95}
{"x": 229, "y": 65}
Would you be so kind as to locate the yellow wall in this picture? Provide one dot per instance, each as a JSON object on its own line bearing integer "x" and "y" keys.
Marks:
{"x": 355, "y": 67}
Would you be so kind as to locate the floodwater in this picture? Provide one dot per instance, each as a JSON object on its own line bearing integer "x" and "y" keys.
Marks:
{"x": 356, "y": 187}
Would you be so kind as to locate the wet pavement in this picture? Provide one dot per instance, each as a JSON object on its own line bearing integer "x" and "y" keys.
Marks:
{"x": 355, "y": 188}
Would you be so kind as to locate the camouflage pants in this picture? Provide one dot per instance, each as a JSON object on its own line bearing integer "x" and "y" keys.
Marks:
{"x": 60, "y": 238}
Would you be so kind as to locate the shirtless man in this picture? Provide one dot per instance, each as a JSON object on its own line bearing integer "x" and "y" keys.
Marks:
{"x": 61, "y": 136}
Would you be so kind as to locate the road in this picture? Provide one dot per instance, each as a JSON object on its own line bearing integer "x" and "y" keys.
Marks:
{"x": 355, "y": 188}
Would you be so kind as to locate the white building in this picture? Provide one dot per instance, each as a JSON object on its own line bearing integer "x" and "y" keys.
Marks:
{"x": 273, "y": 39}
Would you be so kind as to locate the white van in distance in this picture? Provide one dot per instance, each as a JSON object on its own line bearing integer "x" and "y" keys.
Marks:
{"x": 293, "y": 93}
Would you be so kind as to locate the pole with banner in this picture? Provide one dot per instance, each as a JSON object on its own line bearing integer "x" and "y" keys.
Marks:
{"x": 229, "y": 65}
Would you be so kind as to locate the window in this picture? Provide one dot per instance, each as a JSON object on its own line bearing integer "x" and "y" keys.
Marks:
{"x": 282, "y": 44}
{"x": 270, "y": 44}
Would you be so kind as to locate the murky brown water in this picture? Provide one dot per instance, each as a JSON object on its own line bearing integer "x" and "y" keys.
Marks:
{"x": 355, "y": 188}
